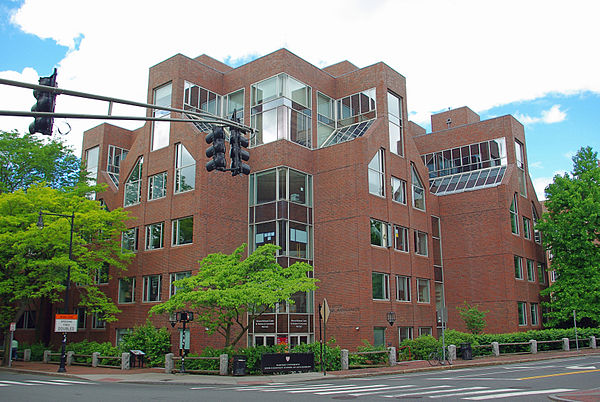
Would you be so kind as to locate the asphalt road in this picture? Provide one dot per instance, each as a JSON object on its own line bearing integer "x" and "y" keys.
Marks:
{"x": 534, "y": 381}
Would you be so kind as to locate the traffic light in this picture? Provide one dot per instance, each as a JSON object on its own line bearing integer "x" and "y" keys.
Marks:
{"x": 237, "y": 153}
{"x": 217, "y": 151}
{"x": 45, "y": 103}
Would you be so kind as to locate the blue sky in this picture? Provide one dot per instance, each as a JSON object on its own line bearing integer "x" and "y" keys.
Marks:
{"x": 534, "y": 60}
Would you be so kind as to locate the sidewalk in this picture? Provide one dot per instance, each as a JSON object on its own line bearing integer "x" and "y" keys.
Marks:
{"x": 158, "y": 376}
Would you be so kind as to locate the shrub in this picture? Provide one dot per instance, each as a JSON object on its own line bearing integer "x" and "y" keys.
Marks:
{"x": 370, "y": 359}
{"x": 422, "y": 346}
{"x": 331, "y": 354}
{"x": 154, "y": 342}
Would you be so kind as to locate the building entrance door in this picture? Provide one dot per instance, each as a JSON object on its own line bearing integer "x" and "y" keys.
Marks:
{"x": 264, "y": 340}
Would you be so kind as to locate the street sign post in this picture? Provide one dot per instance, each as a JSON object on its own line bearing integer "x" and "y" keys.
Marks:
{"x": 66, "y": 323}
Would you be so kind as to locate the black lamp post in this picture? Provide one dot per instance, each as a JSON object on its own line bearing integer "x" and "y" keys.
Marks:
{"x": 40, "y": 223}
{"x": 183, "y": 317}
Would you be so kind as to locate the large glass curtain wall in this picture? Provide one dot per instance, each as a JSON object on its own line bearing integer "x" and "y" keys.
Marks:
{"x": 281, "y": 211}
{"x": 281, "y": 109}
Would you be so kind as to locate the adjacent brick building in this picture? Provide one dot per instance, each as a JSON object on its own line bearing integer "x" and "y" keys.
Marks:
{"x": 393, "y": 219}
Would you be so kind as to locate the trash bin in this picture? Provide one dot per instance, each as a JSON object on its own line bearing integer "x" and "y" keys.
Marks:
{"x": 239, "y": 365}
{"x": 466, "y": 351}
{"x": 136, "y": 355}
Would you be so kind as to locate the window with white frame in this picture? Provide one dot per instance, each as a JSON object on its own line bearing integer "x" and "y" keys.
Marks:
{"x": 402, "y": 288}
{"x": 399, "y": 190}
{"x": 514, "y": 215}
{"x": 520, "y": 157}
{"x": 101, "y": 275}
{"x": 420, "y": 243}
{"x": 185, "y": 169}
{"x": 152, "y": 286}
{"x": 155, "y": 236}
{"x": 518, "y": 267}
{"x": 424, "y": 331}
{"x": 379, "y": 233}
{"x": 401, "y": 238}
{"x": 537, "y": 235}
{"x": 116, "y": 155}
{"x": 127, "y": 290}
{"x": 423, "y": 291}
{"x": 234, "y": 102}
{"x": 183, "y": 231}
{"x": 91, "y": 164}
{"x": 395, "y": 123}
{"x": 530, "y": 271}
{"x": 541, "y": 268}
{"x": 120, "y": 334}
{"x": 527, "y": 228}
{"x": 522, "y": 313}
{"x": 27, "y": 320}
{"x": 161, "y": 129}
{"x": 533, "y": 307}
{"x": 405, "y": 333}
{"x": 378, "y": 336}
{"x": 98, "y": 322}
{"x": 381, "y": 286}
{"x": 133, "y": 184}
{"x": 377, "y": 174}
{"x": 129, "y": 240}
{"x": 418, "y": 191}
{"x": 157, "y": 186}
{"x": 176, "y": 276}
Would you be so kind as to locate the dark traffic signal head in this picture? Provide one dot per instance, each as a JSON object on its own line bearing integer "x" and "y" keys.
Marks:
{"x": 45, "y": 103}
{"x": 237, "y": 152}
{"x": 217, "y": 151}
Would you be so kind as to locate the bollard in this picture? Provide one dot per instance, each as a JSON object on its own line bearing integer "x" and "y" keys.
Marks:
{"x": 70, "y": 357}
{"x": 392, "y": 355}
{"x": 496, "y": 348}
{"x": 565, "y": 343}
{"x": 47, "y": 356}
{"x": 169, "y": 364}
{"x": 95, "y": 358}
{"x": 344, "y": 357}
{"x": 533, "y": 346}
{"x": 125, "y": 361}
{"x": 223, "y": 364}
{"x": 451, "y": 352}
{"x": 592, "y": 342}
{"x": 27, "y": 355}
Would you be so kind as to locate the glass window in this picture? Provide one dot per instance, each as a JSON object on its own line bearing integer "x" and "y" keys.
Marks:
{"x": 81, "y": 317}
{"x": 297, "y": 187}
{"x": 395, "y": 124}
{"x": 185, "y": 170}
{"x": 176, "y": 277}
{"x": 530, "y": 271}
{"x": 101, "y": 276}
{"x": 157, "y": 186}
{"x": 534, "y": 313}
{"x": 97, "y": 322}
{"x": 129, "y": 240}
{"x": 155, "y": 236}
{"x": 264, "y": 234}
{"x": 127, "y": 290}
{"x": 115, "y": 156}
{"x": 160, "y": 129}
{"x": 298, "y": 240}
{"x": 423, "y": 291}
{"x": 27, "y": 320}
{"x": 425, "y": 331}
{"x": 402, "y": 288}
{"x": 265, "y": 186}
{"x": 537, "y": 235}
{"x": 152, "y": 285}
{"x": 133, "y": 185}
{"x": 91, "y": 164}
{"x": 401, "y": 238}
{"x": 381, "y": 286}
{"x": 120, "y": 334}
{"x": 522, "y": 312}
{"x": 541, "y": 267}
{"x": 183, "y": 231}
{"x": 398, "y": 190}
{"x": 377, "y": 174}
{"x": 514, "y": 216}
{"x": 518, "y": 267}
{"x": 378, "y": 336}
{"x": 379, "y": 233}
{"x": 405, "y": 333}
{"x": 420, "y": 243}
{"x": 235, "y": 102}
{"x": 521, "y": 165}
{"x": 418, "y": 191}
{"x": 526, "y": 228}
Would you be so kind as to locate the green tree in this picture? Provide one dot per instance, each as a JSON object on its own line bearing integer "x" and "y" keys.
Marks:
{"x": 26, "y": 159}
{"x": 571, "y": 230}
{"x": 473, "y": 318}
{"x": 34, "y": 261}
{"x": 227, "y": 287}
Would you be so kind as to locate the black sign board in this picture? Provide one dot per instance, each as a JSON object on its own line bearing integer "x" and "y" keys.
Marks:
{"x": 287, "y": 362}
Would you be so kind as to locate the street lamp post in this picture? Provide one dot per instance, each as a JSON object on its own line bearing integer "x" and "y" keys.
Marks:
{"x": 63, "y": 352}
{"x": 183, "y": 317}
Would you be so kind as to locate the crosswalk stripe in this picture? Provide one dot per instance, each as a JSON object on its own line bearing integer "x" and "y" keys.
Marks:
{"x": 372, "y": 392}
{"x": 73, "y": 382}
{"x": 15, "y": 383}
{"x": 432, "y": 392}
{"x": 485, "y": 391}
{"x": 335, "y": 388}
{"x": 46, "y": 382}
{"x": 521, "y": 393}
{"x": 359, "y": 389}
{"x": 269, "y": 388}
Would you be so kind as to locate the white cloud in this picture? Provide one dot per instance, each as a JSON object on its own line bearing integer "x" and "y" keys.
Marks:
{"x": 540, "y": 183}
{"x": 451, "y": 53}
{"x": 552, "y": 115}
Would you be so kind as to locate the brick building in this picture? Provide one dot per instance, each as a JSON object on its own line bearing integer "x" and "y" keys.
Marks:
{"x": 393, "y": 219}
